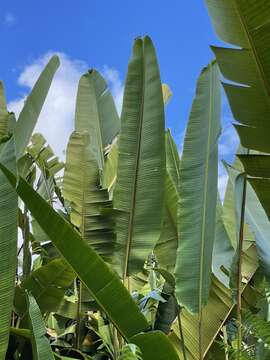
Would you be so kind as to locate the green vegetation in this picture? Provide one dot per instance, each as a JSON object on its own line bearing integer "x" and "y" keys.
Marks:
{"x": 125, "y": 251}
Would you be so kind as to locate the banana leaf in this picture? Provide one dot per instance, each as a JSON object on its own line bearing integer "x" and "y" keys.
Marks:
{"x": 32, "y": 107}
{"x": 228, "y": 211}
{"x": 162, "y": 349}
{"x": 110, "y": 168}
{"x": 166, "y": 247}
{"x": 41, "y": 348}
{"x": 96, "y": 113}
{"x": 8, "y": 244}
{"x": 257, "y": 169}
{"x": 258, "y": 222}
{"x": 81, "y": 187}
{"x": 223, "y": 251}
{"x": 172, "y": 159}
{"x": 139, "y": 192}
{"x": 198, "y": 194}
{"x": 47, "y": 284}
{"x": 245, "y": 24}
{"x": 4, "y": 115}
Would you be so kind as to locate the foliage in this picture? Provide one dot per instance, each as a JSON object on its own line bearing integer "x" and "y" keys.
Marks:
{"x": 125, "y": 251}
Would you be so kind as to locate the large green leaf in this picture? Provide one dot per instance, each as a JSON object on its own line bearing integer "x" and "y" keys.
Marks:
{"x": 228, "y": 212}
{"x": 81, "y": 187}
{"x": 246, "y": 24}
{"x": 262, "y": 189}
{"x": 172, "y": 159}
{"x": 4, "y": 115}
{"x": 47, "y": 284}
{"x": 96, "y": 113}
{"x": 166, "y": 247}
{"x": 139, "y": 192}
{"x": 43, "y": 155}
{"x": 41, "y": 348}
{"x": 257, "y": 167}
{"x": 257, "y": 220}
{"x": 32, "y": 107}
{"x": 110, "y": 168}
{"x": 223, "y": 250}
{"x": 162, "y": 349}
{"x": 8, "y": 244}
{"x": 108, "y": 291}
{"x": 198, "y": 194}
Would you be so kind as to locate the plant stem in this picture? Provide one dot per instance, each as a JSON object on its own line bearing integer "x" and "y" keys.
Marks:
{"x": 181, "y": 334}
{"x": 239, "y": 270}
{"x": 26, "y": 243}
{"x": 225, "y": 341}
{"x": 78, "y": 324}
{"x": 128, "y": 284}
{"x": 200, "y": 334}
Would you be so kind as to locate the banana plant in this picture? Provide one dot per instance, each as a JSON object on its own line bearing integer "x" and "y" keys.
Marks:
{"x": 127, "y": 201}
{"x": 109, "y": 292}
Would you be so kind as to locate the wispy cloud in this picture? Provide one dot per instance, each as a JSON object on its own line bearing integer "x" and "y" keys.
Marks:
{"x": 57, "y": 116}
{"x": 228, "y": 141}
{"x": 222, "y": 180}
{"x": 9, "y": 19}
{"x": 112, "y": 76}
{"x": 228, "y": 144}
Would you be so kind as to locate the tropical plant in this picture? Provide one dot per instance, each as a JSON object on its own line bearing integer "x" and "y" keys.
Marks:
{"x": 125, "y": 250}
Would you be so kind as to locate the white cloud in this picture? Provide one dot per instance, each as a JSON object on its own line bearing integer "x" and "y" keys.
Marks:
{"x": 57, "y": 116}
{"x": 228, "y": 144}
{"x": 222, "y": 180}
{"x": 9, "y": 19}
{"x": 112, "y": 77}
{"x": 228, "y": 141}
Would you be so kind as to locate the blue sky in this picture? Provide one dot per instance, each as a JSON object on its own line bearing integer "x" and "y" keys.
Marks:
{"x": 99, "y": 34}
